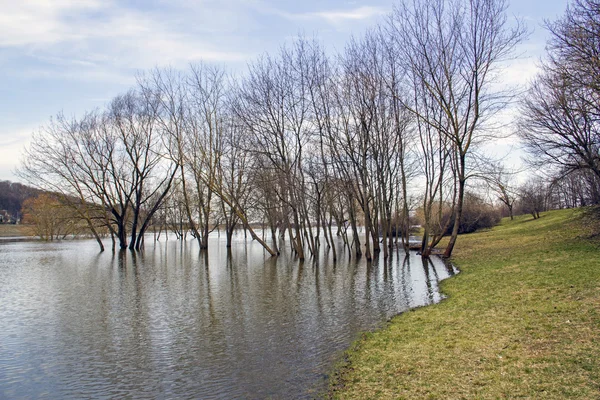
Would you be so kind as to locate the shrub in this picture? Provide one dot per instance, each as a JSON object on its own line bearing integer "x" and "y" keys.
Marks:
{"x": 477, "y": 214}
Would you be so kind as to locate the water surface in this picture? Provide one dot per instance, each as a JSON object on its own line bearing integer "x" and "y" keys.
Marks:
{"x": 172, "y": 322}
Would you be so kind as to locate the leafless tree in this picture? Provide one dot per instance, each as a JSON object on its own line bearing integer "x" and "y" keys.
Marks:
{"x": 455, "y": 48}
{"x": 500, "y": 181}
{"x": 234, "y": 171}
{"x": 273, "y": 103}
{"x": 63, "y": 158}
{"x": 112, "y": 160}
{"x": 558, "y": 127}
{"x": 560, "y": 114}
{"x": 533, "y": 197}
{"x": 301, "y": 143}
{"x": 147, "y": 174}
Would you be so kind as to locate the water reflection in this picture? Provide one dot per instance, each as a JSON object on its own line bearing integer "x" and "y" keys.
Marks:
{"x": 174, "y": 322}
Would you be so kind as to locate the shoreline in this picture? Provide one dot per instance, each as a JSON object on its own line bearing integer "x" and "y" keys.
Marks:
{"x": 517, "y": 321}
{"x": 13, "y": 239}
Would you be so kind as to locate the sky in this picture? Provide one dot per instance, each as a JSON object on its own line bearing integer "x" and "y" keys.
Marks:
{"x": 73, "y": 56}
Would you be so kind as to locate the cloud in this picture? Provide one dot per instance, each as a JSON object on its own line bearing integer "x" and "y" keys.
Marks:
{"x": 12, "y": 142}
{"x": 108, "y": 39}
{"x": 39, "y": 22}
{"x": 339, "y": 16}
{"x": 16, "y": 136}
{"x": 91, "y": 35}
{"x": 333, "y": 17}
{"x": 517, "y": 74}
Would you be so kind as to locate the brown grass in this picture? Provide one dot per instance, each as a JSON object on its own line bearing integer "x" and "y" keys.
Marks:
{"x": 10, "y": 230}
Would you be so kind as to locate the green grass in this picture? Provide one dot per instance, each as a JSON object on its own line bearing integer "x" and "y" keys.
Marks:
{"x": 522, "y": 320}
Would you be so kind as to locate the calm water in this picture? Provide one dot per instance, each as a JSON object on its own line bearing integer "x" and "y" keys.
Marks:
{"x": 173, "y": 323}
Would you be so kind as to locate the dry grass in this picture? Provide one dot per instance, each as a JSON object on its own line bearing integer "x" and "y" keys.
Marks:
{"x": 10, "y": 230}
{"x": 521, "y": 321}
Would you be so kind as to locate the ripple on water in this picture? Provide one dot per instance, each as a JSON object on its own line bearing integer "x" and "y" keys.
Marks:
{"x": 174, "y": 322}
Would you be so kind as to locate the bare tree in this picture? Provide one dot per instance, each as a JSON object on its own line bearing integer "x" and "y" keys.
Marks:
{"x": 454, "y": 48}
{"x": 575, "y": 189}
{"x": 500, "y": 180}
{"x": 558, "y": 127}
{"x": 174, "y": 114}
{"x": 533, "y": 197}
{"x": 273, "y": 103}
{"x": 147, "y": 174}
{"x": 560, "y": 114}
{"x": 354, "y": 145}
{"x": 64, "y": 158}
{"x": 111, "y": 160}
{"x": 301, "y": 143}
{"x": 234, "y": 174}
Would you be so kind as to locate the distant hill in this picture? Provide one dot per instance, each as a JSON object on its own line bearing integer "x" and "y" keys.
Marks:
{"x": 12, "y": 195}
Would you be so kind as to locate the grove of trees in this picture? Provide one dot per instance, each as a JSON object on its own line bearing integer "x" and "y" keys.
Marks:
{"x": 317, "y": 149}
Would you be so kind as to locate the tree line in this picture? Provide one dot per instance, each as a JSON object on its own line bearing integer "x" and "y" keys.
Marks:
{"x": 311, "y": 146}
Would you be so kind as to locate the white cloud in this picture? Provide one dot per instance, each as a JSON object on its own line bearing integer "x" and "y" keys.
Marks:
{"x": 86, "y": 42}
{"x": 339, "y": 16}
{"x": 38, "y": 22}
{"x": 103, "y": 34}
{"x": 16, "y": 136}
{"x": 333, "y": 17}
{"x": 106, "y": 39}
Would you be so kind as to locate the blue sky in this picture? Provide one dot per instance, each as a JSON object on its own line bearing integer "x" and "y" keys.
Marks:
{"x": 75, "y": 55}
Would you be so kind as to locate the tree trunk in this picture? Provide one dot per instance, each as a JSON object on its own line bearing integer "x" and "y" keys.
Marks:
{"x": 457, "y": 218}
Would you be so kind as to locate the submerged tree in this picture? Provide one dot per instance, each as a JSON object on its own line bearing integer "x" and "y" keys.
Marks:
{"x": 307, "y": 146}
{"x": 111, "y": 160}
{"x": 49, "y": 217}
{"x": 63, "y": 159}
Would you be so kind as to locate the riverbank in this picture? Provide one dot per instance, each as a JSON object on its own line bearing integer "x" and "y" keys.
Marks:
{"x": 522, "y": 319}
{"x": 11, "y": 230}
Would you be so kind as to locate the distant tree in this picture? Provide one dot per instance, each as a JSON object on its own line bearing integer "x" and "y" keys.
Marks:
{"x": 575, "y": 189}
{"x": 478, "y": 214}
{"x": 500, "y": 182}
{"x": 533, "y": 196}
{"x": 49, "y": 218}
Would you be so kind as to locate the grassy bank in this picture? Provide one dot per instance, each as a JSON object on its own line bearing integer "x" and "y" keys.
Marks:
{"x": 522, "y": 319}
{"x": 10, "y": 230}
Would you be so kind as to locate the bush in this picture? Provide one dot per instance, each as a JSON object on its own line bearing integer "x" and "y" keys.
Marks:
{"x": 477, "y": 214}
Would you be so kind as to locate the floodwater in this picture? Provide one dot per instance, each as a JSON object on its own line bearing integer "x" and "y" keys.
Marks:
{"x": 172, "y": 322}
